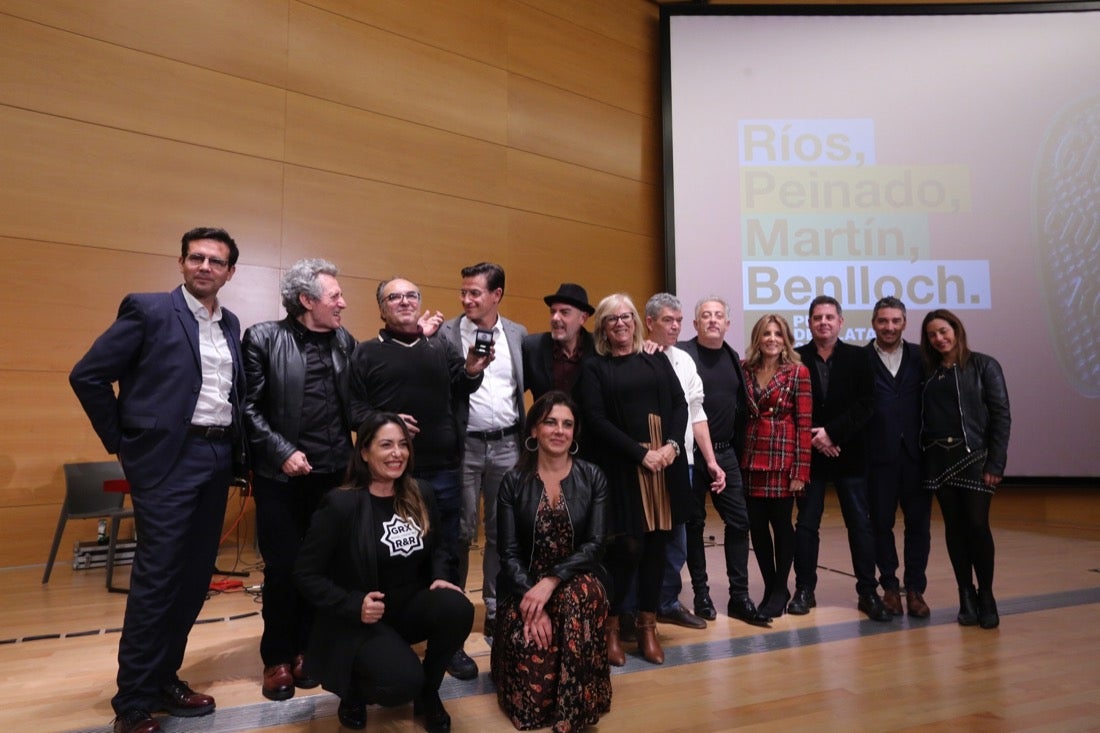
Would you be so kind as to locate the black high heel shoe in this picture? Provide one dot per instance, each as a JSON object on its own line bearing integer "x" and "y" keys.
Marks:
{"x": 968, "y": 606}
{"x": 430, "y": 708}
{"x": 988, "y": 618}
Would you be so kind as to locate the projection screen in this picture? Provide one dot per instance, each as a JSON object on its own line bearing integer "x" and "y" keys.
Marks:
{"x": 948, "y": 155}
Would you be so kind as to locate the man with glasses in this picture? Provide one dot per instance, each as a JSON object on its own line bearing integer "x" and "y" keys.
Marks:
{"x": 424, "y": 380}
{"x": 495, "y": 413}
{"x": 176, "y": 427}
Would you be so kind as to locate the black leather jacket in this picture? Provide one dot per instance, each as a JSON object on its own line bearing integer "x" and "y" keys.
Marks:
{"x": 585, "y": 491}
{"x": 984, "y": 412}
{"x": 275, "y": 371}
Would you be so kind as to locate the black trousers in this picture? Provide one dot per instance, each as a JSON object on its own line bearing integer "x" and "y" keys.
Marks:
{"x": 773, "y": 539}
{"x": 283, "y": 511}
{"x": 890, "y": 485}
{"x": 179, "y": 523}
{"x": 731, "y": 507}
{"x": 387, "y": 671}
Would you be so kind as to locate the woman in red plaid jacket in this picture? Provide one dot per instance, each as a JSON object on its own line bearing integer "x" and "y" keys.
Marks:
{"x": 776, "y": 460}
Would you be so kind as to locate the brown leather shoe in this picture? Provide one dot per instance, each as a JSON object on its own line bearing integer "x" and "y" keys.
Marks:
{"x": 615, "y": 654}
{"x": 680, "y": 616}
{"x": 136, "y": 720}
{"x": 180, "y": 700}
{"x": 648, "y": 644}
{"x": 300, "y": 678}
{"x": 917, "y": 607}
{"x": 278, "y": 682}
{"x": 892, "y": 600}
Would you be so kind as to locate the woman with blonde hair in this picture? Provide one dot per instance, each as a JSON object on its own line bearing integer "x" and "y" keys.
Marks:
{"x": 776, "y": 462}
{"x": 623, "y": 393}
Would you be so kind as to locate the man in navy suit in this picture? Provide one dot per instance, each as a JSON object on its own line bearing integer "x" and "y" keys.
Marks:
{"x": 176, "y": 427}
{"x": 894, "y": 469}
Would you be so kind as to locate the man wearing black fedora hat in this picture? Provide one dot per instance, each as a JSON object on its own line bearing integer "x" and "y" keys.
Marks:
{"x": 553, "y": 360}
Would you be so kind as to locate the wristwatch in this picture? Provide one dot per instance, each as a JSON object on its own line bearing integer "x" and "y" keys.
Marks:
{"x": 675, "y": 446}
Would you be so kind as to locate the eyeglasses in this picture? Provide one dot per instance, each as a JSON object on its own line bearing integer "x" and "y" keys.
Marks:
{"x": 195, "y": 260}
{"x": 412, "y": 296}
{"x": 624, "y": 317}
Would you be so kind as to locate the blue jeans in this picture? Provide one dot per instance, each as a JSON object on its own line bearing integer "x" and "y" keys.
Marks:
{"x": 672, "y": 583}
{"x": 446, "y": 487}
{"x": 484, "y": 464}
{"x": 852, "y": 492}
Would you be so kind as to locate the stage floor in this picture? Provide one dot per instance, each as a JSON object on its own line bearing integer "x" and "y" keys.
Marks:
{"x": 830, "y": 670}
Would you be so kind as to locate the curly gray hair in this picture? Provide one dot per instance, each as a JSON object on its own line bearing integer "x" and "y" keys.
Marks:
{"x": 301, "y": 279}
{"x": 659, "y": 301}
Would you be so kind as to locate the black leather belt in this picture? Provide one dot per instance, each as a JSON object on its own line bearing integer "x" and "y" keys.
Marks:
{"x": 211, "y": 432}
{"x": 722, "y": 445}
{"x": 488, "y": 435}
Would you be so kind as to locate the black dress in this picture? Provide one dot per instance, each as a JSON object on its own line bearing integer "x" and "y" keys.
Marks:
{"x": 618, "y": 393}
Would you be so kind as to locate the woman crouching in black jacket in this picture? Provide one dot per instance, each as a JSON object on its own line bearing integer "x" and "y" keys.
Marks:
{"x": 376, "y": 568}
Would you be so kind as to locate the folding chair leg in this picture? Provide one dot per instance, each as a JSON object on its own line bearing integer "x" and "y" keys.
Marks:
{"x": 61, "y": 520}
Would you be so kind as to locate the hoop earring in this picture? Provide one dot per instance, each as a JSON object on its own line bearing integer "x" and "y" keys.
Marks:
{"x": 575, "y": 448}
{"x": 527, "y": 444}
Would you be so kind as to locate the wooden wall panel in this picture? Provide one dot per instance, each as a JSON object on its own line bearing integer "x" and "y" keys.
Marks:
{"x": 55, "y": 72}
{"x": 85, "y": 287}
{"x": 537, "y": 183}
{"x": 42, "y": 427}
{"x": 67, "y": 181}
{"x": 626, "y": 21}
{"x": 555, "y": 51}
{"x": 562, "y": 125}
{"x": 245, "y": 38}
{"x": 253, "y": 293}
{"x": 603, "y": 260}
{"x": 342, "y": 139}
{"x": 376, "y": 230}
{"x": 475, "y": 29}
{"x": 344, "y": 61}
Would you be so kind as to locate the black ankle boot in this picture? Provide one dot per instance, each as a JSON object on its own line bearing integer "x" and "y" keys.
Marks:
{"x": 430, "y": 708}
{"x": 968, "y": 606}
{"x": 988, "y": 617}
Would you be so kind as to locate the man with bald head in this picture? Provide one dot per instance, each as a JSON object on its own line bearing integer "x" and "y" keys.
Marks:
{"x": 403, "y": 371}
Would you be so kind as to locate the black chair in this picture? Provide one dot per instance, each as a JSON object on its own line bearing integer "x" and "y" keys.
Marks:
{"x": 85, "y": 498}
